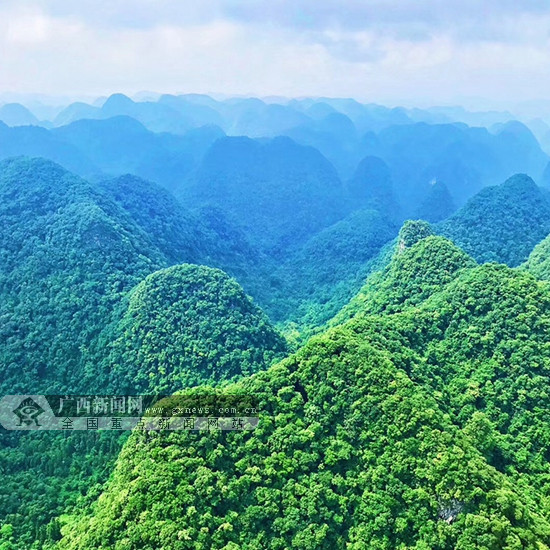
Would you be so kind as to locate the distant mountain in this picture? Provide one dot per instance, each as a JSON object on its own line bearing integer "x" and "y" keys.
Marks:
{"x": 365, "y": 117}
{"x": 371, "y": 187}
{"x": 255, "y": 118}
{"x": 501, "y": 223}
{"x": 33, "y": 141}
{"x": 156, "y": 116}
{"x": 315, "y": 281}
{"x": 280, "y": 193}
{"x": 118, "y": 144}
{"x": 121, "y": 145}
{"x": 344, "y": 131}
{"x": 194, "y": 111}
{"x": 76, "y": 111}
{"x": 437, "y": 205}
{"x": 334, "y": 135}
{"x": 15, "y": 114}
{"x": 519, "y": 149}
{"x": 466, "y": 159}
{"x": 472, "y": 118}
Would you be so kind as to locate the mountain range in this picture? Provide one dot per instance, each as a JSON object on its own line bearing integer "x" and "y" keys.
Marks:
{"x": 375, "y": 278}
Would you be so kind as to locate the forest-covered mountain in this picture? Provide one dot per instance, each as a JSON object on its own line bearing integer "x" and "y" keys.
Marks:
{"x": 413, "y": 425}
{"x": 375, "y": 277}
{"x": 501, "y": 223}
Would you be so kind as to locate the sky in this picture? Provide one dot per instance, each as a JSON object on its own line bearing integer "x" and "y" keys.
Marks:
{"x": 408, "y": 52}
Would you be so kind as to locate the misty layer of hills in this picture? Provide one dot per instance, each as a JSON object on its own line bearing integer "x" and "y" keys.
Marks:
{"x": 189, "y": 244}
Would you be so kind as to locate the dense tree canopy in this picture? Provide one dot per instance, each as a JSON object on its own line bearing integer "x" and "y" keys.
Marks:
{"x": 501, "y": 223}
{"x": 408, "y": 405}
{"x": 422, "y": 428}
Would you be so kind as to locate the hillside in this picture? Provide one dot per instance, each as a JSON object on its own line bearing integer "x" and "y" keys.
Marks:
{"x": 371, "y": 187}
{"x": 75, "y": 296}
{"x": 423, "y": 428}
{"x": 538, "y": 262}
{"x": 69, "y": 254}
{"x": 315, "y": 282}
{"x": 421, "y": 265}
{"x": 437, "y": 205}
{"x": 201, "y": 236}
{"x": 278, "y": 192}
{"x": 188, "y": 325}
{"x": 501, "y": 223}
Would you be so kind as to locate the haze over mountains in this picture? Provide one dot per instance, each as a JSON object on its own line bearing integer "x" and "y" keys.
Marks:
{"x": 376, "y": 277}
{"x": 165, "y": 140}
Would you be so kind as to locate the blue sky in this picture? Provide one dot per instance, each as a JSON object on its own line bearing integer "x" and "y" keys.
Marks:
{"x": 390, "y": 51}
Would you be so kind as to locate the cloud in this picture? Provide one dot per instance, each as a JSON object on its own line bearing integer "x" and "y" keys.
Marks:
{"x": 400, "y": 18}
{"x": 393, "y": 50}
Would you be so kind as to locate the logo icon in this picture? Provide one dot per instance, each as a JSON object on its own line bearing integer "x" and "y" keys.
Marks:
{"x": 28, "y": 412}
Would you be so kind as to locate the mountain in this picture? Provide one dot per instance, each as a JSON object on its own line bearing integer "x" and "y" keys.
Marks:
{"x": 118, "y": 145}
{"x": 202, "y": 236}
{"x": 538, "y": 262}
{"x": 519, "y": 148}
{"x": 121, "y": 145}
{"x": 406, "y": 405}
{"x": 187, "y": 325}
{"x": 69, "y": 254}
{"x": 197, "y": 113}
{"x": 371, "y": 187}
{"x": 437, "y": 205}
{"x": 155, "y": 116}
{"x": 422, "y": 264}
{"x": 15, "y": 114}
{"x": 33, "y": 141}
{"x": 171, "y": 227}
{"x": 76, "y": 303}
{"x": 334, "y": 135}
{"x": 318, "y": 279}
{"x": 280, "y": 193}
{"x": 76, "y": 111}
{"x": 425, "y": 427}
{"x": 501, "y": 223}
{"x": 465, "y": 158}
{"x": 255, "y": 118}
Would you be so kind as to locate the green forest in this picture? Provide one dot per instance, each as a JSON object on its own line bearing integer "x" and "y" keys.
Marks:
{"x": 377, "y": 280}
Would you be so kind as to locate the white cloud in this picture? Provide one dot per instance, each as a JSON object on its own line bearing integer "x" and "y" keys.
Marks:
{"x": 405, "y": 54}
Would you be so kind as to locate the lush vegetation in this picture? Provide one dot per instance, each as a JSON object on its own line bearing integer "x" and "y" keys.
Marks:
{"x": 406, "y": 405}
{"x": 318, "y": 279}
{"x": 188, "y": 325}
{"x": 437, "y": 205}
{"x": 501, "y": 223}
{"x": 423, "y": 428}
{"x": 71, "y": 257}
